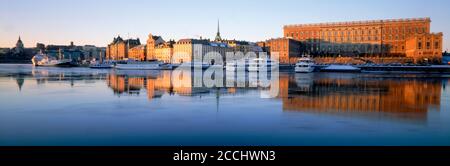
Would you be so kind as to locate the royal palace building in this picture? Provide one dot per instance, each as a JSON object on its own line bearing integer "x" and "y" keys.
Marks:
{"x": 385, "y": 38}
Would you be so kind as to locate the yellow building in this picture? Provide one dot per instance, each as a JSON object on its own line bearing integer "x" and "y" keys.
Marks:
{"x": 152, "y": 42}
{"x": 164, "y": 52}
{"x": 137, "y": 53}
{"x": 184, "y": 49}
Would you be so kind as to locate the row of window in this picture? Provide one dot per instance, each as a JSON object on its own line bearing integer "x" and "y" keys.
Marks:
{"x": 428, "y": 45}
{"x": 357, "y": 32}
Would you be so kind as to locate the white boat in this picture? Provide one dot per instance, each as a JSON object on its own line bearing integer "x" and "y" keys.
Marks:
{"x": 94, "y": 64}
{"x": 195, "y": 65}
{"x": 138, "y": 65}
{"x": 304, "y": 65}
{"x": 259, "y": 64}
{"x": 46, "y": 61}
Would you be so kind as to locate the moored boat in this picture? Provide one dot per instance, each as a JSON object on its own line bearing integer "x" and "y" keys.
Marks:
{"x": 138, "y": 65}
{"x": 44, "y": 60}
{"x": 304, "y": 65}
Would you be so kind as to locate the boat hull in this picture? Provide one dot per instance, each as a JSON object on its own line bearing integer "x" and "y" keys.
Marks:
{"x": 304, "y": 69}
{"x": 138, "y": 67}
{"x": 65, "y": 64}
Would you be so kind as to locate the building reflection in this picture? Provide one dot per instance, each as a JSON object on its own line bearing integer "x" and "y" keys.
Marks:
{"x": 359, "y": 93}
{"x": 400, "y": 95}
{"x": 155, "y": 84}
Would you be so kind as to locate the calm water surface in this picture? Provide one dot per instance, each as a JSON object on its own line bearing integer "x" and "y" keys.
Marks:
{"x": 81, "y": 106}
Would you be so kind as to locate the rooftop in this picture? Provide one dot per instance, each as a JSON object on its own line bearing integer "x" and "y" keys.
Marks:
{"x": 360, "y": 22}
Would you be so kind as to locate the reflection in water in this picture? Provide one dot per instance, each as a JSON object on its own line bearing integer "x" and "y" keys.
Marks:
{"x": 314, "y": 92}
{"x": 83, "y": 106}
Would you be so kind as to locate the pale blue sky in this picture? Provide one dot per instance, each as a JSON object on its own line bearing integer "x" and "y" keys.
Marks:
{"x": 98, "y": 21}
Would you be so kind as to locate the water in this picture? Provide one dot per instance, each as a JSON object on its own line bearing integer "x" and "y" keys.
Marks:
{"x": 81, "y": 106}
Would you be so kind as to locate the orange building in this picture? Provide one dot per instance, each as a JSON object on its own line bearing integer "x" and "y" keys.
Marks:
{"x": 376, "y": 37}
{"x": 118, "y": 48}
{"x": 137, "y": 53}
{"x": 152, "y": 42}
{"x": 425, "y": 47}
{"x": 289, "y": 50}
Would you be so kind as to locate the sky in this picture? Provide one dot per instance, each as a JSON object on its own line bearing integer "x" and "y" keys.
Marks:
{"x": 97, "y": 22}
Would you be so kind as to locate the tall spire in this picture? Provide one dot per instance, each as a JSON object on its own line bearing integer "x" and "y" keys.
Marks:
{"x": 218, "y": 38}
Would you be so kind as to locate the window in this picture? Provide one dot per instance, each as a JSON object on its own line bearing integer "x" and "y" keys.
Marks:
{"x": 436, "y": 45}
{"x": 428, "y": 45}
{"x": 419, "y": 45}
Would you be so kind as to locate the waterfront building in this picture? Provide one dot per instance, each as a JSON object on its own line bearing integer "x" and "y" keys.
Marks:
{"x": 65, "y": 52}
{"x": 137, "y": 53}
{"x": 425, "y": 47}
{"x": 118, "y": 48}
{"x": 289, "y": 50}
{"x": 184, "y": 49}
{"x": 92, "y": 52}
{"x": 164, "y": 51}
{"x": 152, "y": 42}
{"x": 385, "y": 38}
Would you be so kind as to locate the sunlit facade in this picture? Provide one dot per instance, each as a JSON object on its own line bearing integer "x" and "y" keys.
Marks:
{"x": 376, "y": 37}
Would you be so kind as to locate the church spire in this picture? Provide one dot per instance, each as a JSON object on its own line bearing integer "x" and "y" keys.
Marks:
{"x": 218, "y": 38}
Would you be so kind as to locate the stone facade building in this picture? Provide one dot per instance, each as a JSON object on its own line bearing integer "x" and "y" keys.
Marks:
{"x": 385, "y": 38}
